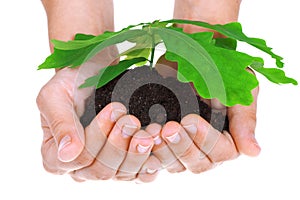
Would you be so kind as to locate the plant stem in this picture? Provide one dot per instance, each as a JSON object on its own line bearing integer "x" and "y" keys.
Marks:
{"x": 152, "y": 52}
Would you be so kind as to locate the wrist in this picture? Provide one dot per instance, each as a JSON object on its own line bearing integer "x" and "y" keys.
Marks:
{"x": 213, "y": 12}
{"x": 66, "y": 18}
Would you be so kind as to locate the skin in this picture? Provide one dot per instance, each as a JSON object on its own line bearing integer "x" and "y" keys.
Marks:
{"x": 113, "y": 146}
{"x": 242, "y": 118}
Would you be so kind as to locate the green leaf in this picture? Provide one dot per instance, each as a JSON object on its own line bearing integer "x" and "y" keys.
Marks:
{"x": 108, "y": 73}
{"x": 78, "y": 44}
{"x": 215, "y": 72}
{"x": 234, "y": 30}
{"x": 75, "y": 57}
{"x": 272, "y": 74}
{"x": 61, "y": 58}
{"x": 80, "y": 36}
{"x": 142, "y": 48}
{"x": 214, "y": 66}
{"x": 140, "y": 52}
{"x": 227, "y": 43}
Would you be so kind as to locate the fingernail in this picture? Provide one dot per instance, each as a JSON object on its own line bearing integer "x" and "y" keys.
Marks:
{"x": 116, "y": 114}
{"x": 175, "y": 138}
{"x": 157, "y": 140}
{"x": 151, "y": 171}
{"x": 128, "y": 130}
{"x": 142, "y": 148}
{"x": 191, "y": 128}
{"x": 64, "y": 142}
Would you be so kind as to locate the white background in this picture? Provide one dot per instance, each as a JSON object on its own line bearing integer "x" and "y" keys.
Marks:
{"x": 274, "y": 174}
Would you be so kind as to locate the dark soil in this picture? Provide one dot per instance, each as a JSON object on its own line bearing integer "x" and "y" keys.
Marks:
{"x": 152, "y": 98}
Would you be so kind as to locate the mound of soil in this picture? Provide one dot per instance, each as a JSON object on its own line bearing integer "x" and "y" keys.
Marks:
{"x": 152, "y": 98}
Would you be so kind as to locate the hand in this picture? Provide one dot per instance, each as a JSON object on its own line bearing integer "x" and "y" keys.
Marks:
{"x": 67, "y": 146}
{"x": 195, "y": 144}
{"x": 98, "y": 151}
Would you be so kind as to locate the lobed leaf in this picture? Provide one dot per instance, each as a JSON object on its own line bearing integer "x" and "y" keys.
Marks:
{"x": 234, "y": 30}
{"x": 272, "y": 74}
{"x": 215, "y": 72}
{"x": 227, "y": 43}
{"x": 214, "y": 66}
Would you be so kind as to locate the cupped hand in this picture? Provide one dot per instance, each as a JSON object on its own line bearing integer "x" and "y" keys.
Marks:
{"x": 194, "y": 144}
{"x": 111, "y": 146}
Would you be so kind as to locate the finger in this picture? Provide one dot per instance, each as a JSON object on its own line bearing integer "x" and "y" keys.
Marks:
{"x": 99, "y": 129}
{"x": 75, "y": 178}
{"x": 96, "y": 134}
{"x": 242, "y": 123}
{"x": 114, "y": 151}
{"x": 217, "y": 146}
{"x": 183, "y": 147}
{"x": 49, "y": 151}
{"x": 166, "y": 68}
{"x": 58, "y": 111}
{"x": 216, "y": 104}
{"x": 162, "y": 152}
{"x": 138, "y": 152}
{"x": 150, "y": 170}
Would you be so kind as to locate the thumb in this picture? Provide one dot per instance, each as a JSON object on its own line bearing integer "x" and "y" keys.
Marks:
{"x": 166, "y": 68}
{"x": 64, "y": 124}
{"x": 242, "y": 122}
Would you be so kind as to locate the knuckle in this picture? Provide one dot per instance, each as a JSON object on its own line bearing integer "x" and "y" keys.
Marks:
{"x": 58, "y": 124}
{"x": 186, "y": 154}
{"x": 84, "y": 160}
{"x": 50, "y": 165}
{"x": 176, "y": 167}
{"x": 44, "y": 149}
{"x": 104, "y": 176}
{"x": 124, "y": 177}
{"x": 196, "y": 170}
{"x": 99, "y": 172}
{"x": 75, "y": 178}
{"x": 174, "y": 170}
{"x": 201, "y": 138}
{"x": 199, "y": 168}
{"x": 230, "y": 154}
{"x": 52, "y": 170}
{"x": 147, "y": 178}
{"x": 224, "y": 157}
{"x": 41, "y": 96}
{"x": 233, "y": 154}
